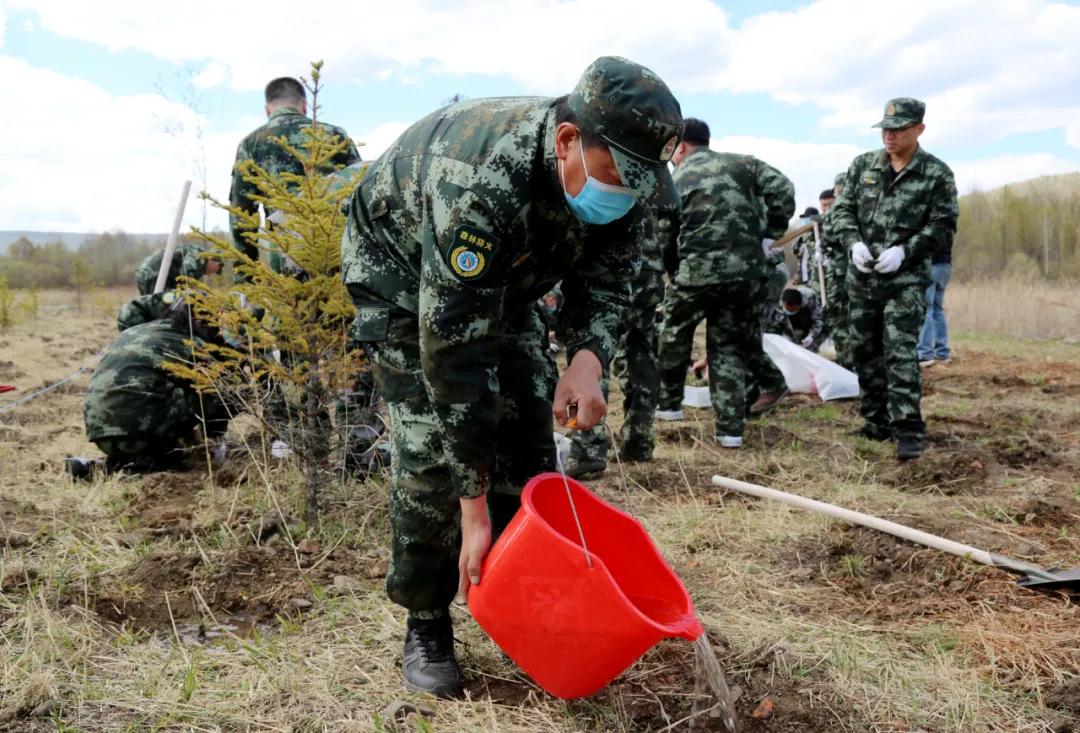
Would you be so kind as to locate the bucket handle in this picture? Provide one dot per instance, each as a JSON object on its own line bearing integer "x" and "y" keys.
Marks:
{"x": 573, "y": 508}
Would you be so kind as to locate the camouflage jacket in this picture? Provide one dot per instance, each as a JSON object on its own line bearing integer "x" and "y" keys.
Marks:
{"x": 916, "y": 208}
{"x": 262, "y": 147}
{"x": 132, "y": 396}
{"x": 145, "y": 308}
{"x": 807, "y": 322}
{"x": 185, "y": 261}
{"x": 458, "y": 227}
{"x": 721, "y": 224}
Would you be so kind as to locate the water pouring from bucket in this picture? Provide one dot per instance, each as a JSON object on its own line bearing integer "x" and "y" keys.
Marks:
{"x": 574, "y": 619}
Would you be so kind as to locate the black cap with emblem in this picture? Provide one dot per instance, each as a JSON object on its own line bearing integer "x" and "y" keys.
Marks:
{"x": 631, "y": 109}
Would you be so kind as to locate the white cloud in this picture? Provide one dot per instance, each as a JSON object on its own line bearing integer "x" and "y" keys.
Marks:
{"x": 366, "y": 40}
{"x": 214, "y": 75}
{"x": 377, "y": 140}
{"x": 83, "y": 159}
{"x": 987, "y": 173}
{"x": 986, "y": 68}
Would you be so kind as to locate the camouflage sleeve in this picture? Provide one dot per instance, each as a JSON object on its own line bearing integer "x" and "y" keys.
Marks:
{"x": 351, "y": 154}
{"x": 461, "y": 335}
{"x": 667, "y": 226}
{"x": 941, "y": 222}
{"x": 597, "y": 292}
{"x": 845, "y": 220}
{"x": 144, "y": 309}
{"x": 240, "y": 198}
{"x": 817, "y": 324}
{"x": 778, "y": 193}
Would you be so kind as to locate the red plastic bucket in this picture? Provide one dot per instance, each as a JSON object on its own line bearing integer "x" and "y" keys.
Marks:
{"x": 573, "y": 628}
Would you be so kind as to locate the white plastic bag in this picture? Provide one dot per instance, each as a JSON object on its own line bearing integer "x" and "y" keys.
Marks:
{"x": 805, "y": 371}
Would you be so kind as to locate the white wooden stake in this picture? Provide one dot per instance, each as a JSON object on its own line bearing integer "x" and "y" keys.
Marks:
{"x": 170, "y": 245}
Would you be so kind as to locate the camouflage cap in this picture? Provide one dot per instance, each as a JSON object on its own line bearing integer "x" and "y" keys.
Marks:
{"x": 902, "y": 112}
{"x": 838, "y": 179}
{"x": 631, "y": 109}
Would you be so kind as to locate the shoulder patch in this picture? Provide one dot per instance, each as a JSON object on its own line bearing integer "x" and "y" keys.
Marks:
{"x": 471, "y": 253}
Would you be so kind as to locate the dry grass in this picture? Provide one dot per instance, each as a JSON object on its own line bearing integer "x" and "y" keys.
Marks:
{"x": 1015, "y": 308}
{"x": 106, "y": 584}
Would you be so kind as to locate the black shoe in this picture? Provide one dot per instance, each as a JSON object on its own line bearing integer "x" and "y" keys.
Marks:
{"x": 429, "y": 662}
{"x": 83, "y": 468}
{"x": 635, "y": 455}
{"x": 873, "y": 432}
{"x": 585, "y": 468}
{"x": 908, "y": 448}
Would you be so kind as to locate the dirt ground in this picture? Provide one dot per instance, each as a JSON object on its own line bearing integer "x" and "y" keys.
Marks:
{"x": 200, "y": 602}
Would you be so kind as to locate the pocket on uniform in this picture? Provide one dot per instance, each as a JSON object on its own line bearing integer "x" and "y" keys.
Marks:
{"x": 372, "y": 323}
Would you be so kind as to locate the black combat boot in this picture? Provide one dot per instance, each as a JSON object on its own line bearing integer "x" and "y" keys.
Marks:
{"x": 908, "y": 448}
{"x": 429, "y": 662}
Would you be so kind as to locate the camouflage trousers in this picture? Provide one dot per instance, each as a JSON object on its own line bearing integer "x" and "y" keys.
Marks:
{"x": 635, "y": 367}
{"x": 732, "y": 314}
{"x": 424, "y": 509}
{"x": 835, "y": 312}
{"x": 763, "y": 376}
{"x": 884, "y": 332}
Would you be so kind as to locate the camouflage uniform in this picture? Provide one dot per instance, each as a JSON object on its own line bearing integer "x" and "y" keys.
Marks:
{"x": 722, "y": 276}
{"x": 145, "y": 308}
{"x": 135, "y": 411}
{"x": 452, "y": 236}
{"x": 917, "y": 209}
{"x": 185, "y": 261}
{"x": 797, "y": 326}
{"x": 262, "y": 147}
{"x": 634, "y": 363}
{"x": 835, "y": 263}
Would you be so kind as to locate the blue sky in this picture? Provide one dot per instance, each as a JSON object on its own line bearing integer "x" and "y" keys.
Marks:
{"x": 103, "y": 101}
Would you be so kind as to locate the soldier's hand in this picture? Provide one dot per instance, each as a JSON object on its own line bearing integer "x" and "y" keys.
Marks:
{"x": 890, "y": 260}
{"x": 475, "y": 543}
{"x": 580, "y": 385}
{"x": 861, "y": 257}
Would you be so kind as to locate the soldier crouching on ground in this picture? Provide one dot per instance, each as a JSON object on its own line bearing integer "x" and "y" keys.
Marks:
{"x": 798, "y": 318}
{"x": 140, "y": 415}
{"x": 471, "y": 215}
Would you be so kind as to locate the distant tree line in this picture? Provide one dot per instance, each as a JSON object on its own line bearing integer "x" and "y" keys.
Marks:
{"x": 1029, "y": 230}
{"x": 109, "y": 258}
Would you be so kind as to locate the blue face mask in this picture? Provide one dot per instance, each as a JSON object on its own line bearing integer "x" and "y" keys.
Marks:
{"x": 597, "y": 202}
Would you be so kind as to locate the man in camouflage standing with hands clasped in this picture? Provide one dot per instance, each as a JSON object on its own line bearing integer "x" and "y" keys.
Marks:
{"x": 472, "y": 214}
{"x": 899, "y": 206}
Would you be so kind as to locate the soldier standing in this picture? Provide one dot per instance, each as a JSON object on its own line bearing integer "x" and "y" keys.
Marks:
{"x": 634, "y": 365}
{"x": 286, "y": 111}
{"x": 899, "y": 206}
{"x": 723, "y": 245}
{"x": 472, "y": 214}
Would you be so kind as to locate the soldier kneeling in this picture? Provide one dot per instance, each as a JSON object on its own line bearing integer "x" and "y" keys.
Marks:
{"x": 140, "y": 415}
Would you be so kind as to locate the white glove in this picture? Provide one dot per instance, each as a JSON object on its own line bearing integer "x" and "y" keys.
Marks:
{"x": 860, "y": 257}
{"x": 766, "y": 246}
{"x": 807, "y": 341}
{"x": 819, "y": 259}
{"x": 890, "y": 259}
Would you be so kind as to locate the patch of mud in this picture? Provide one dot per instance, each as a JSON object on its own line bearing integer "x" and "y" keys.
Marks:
{"x": 21, "y": 524}
{"x": 256, "y": 583}
{"x": 887, "y": 577}
{"x": 1025, "y": 450}
{"x": 166, "y": 503}
{"x": 1046, "y": 511}
{"x": 658, "y": 691}
{"x": 948, "y": 467}
{"x": 1065, "y": 696}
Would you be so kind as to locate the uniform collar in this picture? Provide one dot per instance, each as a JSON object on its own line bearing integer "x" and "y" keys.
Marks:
{"x": 282, "y": 111}
{"x": 916, "y": 165}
